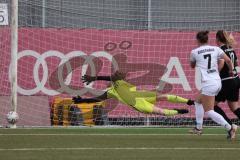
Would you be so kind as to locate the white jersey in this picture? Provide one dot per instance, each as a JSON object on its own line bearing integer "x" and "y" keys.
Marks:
{"x": 206, "y": 58}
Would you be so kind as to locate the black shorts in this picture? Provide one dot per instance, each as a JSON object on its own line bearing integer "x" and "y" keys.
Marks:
{"x": 229, "y": 91}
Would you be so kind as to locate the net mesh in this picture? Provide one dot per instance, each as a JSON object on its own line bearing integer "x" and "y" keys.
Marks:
{"x": 61, "y": 40}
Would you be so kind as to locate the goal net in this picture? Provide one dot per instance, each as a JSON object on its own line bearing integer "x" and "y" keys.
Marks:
{"x": 59, "y": 41}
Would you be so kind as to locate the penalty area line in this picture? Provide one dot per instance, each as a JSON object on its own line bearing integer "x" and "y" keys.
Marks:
{"x": 114, "y": 148}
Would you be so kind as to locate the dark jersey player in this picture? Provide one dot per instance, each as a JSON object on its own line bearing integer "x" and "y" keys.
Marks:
{"x": 230, "y": 84}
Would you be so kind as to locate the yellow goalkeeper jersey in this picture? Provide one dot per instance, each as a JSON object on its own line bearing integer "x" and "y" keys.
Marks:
{"x": 127, "y": 93}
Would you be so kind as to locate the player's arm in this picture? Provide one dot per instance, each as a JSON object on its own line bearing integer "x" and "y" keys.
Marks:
{"x": 88, "y": 79}
{"x": 236, "y": 63}
{"x": 193, "y": 64}
{"x": 235, "y": 60}
{"x": 100, "y": 98}
{"x": 220, "y": 64}
{"x": 229, "y": 63}
{"x": 192, "y": 60}
{"x": 114, "y": 77}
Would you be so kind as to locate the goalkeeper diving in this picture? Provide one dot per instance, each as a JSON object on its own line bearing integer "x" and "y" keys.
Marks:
{"x": 140, "y": 100}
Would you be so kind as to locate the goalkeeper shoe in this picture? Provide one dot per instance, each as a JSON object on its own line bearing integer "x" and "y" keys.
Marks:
{"x": 190, "y": 102}
{"x": 196, "y": 131}
{"x": 181, "y": 111}
{"x": 232, "y": 133}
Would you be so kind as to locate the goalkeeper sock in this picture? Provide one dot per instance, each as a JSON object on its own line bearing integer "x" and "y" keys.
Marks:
{"x": 168, "y": 112}
{"x": 176, "y": 99}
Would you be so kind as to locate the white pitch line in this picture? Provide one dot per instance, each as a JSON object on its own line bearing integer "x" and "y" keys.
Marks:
{"x": 115, "y": 148}
{"x": 103, "y": 134}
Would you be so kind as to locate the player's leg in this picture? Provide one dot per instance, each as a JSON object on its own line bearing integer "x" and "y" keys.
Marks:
{"x": 173, "y": 99}
{"x": 199, "y": 114}
{"x": 221, "y": 112}
{"x": 168, "y": 112}
{"x": 221, "y": 97}
{"x": 208, "y": 105}
{"x": 207, "y": 99}
{"x": 234, "y": 106}
{"x": 145, "y": 106}
{"x": 233, "y": 96}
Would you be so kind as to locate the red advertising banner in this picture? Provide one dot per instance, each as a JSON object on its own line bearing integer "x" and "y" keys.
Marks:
{"x": 52, "y": 61}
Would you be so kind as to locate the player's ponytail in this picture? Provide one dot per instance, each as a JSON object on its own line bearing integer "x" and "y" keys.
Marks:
{"x": 225, "y": 38}
{"x": 230, "y": 39}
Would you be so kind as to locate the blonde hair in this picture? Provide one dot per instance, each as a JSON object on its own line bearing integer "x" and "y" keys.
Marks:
{"x": 229, "y": 39}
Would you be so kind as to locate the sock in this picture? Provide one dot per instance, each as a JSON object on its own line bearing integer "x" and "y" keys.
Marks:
{"x": 199, "y": 113}
{"x": 220, "y": 111}
{"x": 237, "y": 113}
{"x": 169, "y": 112}
{"x": 218, "y": 119}
{"x": 176, "y": 99}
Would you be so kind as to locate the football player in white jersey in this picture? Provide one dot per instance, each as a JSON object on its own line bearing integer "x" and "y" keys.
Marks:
{"x": 206, "y": 58}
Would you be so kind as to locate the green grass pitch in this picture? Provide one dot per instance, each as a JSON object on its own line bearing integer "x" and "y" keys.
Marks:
{"x": 116, "y": 144}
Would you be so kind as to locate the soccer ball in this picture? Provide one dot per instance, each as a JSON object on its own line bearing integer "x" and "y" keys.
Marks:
{"x": 12, "y": 117}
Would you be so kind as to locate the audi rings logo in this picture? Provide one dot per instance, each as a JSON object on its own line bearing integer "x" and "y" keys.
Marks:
{"x": 63, "y": 81}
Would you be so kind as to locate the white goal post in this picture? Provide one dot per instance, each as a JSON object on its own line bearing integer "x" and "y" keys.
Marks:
{"x": 14, "y": 53}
